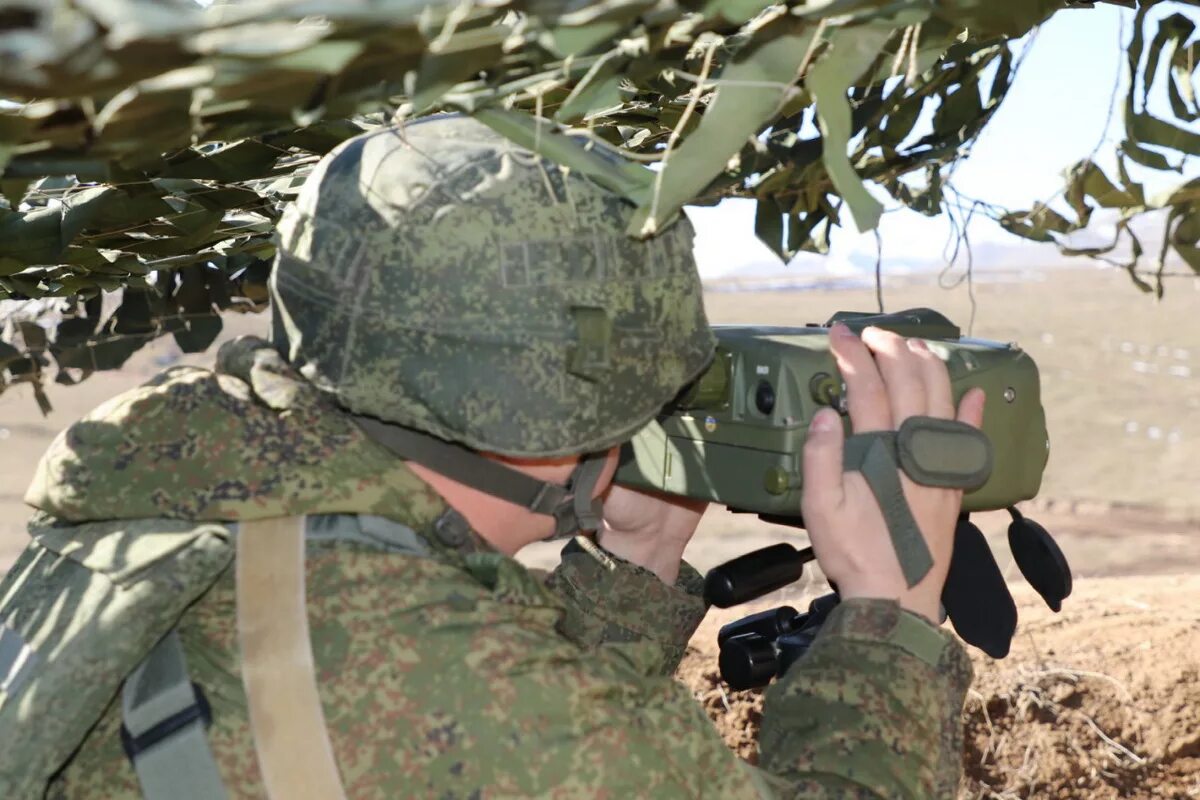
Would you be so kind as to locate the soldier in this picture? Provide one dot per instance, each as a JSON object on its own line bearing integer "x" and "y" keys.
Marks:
{"x": 462, "y": 338}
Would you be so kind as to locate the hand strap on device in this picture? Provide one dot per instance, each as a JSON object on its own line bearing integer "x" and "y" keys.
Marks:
{"x": 933, "y": 452}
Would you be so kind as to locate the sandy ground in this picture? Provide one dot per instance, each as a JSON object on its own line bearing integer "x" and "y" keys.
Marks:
{"x": 1101, "y": 701}
{"x": 1098, "y": 702}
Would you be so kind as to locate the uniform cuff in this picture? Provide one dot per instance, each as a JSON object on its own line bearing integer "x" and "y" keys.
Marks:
{"x": 610, "y": 600}
{"x": 884, "y": 621}
{"x": 875, "y": 702}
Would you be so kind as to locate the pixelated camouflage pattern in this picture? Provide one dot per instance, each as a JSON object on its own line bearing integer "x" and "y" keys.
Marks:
{"x": 461, "y": 674}
{"x": 881, "y": 690}
{"x": 443, "y": 680}
{"x": 438, "y": 276}
{"x": 91, "y": 600}
{"x": 248, "y": 441}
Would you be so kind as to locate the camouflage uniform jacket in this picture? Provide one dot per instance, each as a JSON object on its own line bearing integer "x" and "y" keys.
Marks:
{"x": 453, "y": 671}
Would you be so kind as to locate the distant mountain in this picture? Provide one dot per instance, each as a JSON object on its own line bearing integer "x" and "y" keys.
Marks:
{"x": 730, "y": 257}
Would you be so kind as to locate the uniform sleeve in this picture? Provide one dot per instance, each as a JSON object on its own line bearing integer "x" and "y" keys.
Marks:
{"x": 873, "y": 710}
{"x": 610, "y": 600}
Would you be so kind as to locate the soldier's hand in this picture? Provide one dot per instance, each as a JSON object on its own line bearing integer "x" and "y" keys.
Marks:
{"x": 648, "y": 529}
{"x": 888, "y": 379}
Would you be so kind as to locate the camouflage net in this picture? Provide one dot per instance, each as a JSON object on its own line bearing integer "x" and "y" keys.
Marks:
{"x": 150, "y": 144}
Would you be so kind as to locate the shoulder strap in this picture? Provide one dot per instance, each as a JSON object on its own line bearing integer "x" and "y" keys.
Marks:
{"x": 295, "y": 755}
{"x": 165, "y": 716}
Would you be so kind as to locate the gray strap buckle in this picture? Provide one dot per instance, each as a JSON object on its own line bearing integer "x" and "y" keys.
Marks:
{"x": 578, "y": 510}
{"x": 134, "y": 744}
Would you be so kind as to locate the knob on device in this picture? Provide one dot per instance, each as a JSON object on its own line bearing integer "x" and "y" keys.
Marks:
{"x": 748, "y": 661}
{"x": 748, "y": 653}
{"x": 757, "y": 573}
{"x": 771, "y": 623}
{"x": 761, "y": 646}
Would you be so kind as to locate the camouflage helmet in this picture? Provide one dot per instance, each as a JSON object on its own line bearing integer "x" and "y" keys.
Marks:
{"x": 440, "y": 277}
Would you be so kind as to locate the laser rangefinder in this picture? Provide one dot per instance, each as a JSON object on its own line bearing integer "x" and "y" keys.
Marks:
{"x": 735, "y": 436}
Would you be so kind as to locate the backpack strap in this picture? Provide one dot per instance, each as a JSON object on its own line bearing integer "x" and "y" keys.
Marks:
{"x": 164, "y": 732}
{"x": 292, "y": 743}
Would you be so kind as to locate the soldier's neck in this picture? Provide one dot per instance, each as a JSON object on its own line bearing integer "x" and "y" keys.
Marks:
{"x": 505, "y": 526}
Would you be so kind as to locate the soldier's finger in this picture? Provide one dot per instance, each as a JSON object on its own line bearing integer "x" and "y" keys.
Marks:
{"x": 939, "y": 399}
{"x": 822, "y": 492}
{"x": 866, "y": 393}
{"x": 970, "y": 408}
{"x": 901, "y": 371}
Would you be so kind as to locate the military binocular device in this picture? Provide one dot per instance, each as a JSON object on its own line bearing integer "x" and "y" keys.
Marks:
{"x": 735, "y": 436}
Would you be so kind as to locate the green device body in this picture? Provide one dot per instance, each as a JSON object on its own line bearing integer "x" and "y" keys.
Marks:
{"x": 736, "y": 435}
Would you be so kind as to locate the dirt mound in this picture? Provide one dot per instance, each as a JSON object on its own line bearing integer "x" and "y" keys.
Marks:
{"x": 1101, "y": 701}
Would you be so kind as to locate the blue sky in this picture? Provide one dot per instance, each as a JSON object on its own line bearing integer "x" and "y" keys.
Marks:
{"x": 1052, "y": 118}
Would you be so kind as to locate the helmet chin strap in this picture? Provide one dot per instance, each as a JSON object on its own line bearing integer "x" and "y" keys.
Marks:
{"x": 579, "y": 511}
{"x": 572, "y": 506}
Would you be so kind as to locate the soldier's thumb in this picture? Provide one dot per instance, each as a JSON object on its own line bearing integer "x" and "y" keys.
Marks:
{"x": 822, "y": 490}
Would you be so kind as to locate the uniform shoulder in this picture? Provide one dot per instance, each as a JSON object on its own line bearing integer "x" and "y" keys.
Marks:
{"x": 96, "y": 467}
{"x": 247, "y": 440}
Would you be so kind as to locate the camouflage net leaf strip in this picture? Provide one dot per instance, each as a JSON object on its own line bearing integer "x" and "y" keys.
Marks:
{"x": 151, "y": 144}
{"x": 1152, "y": 143}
